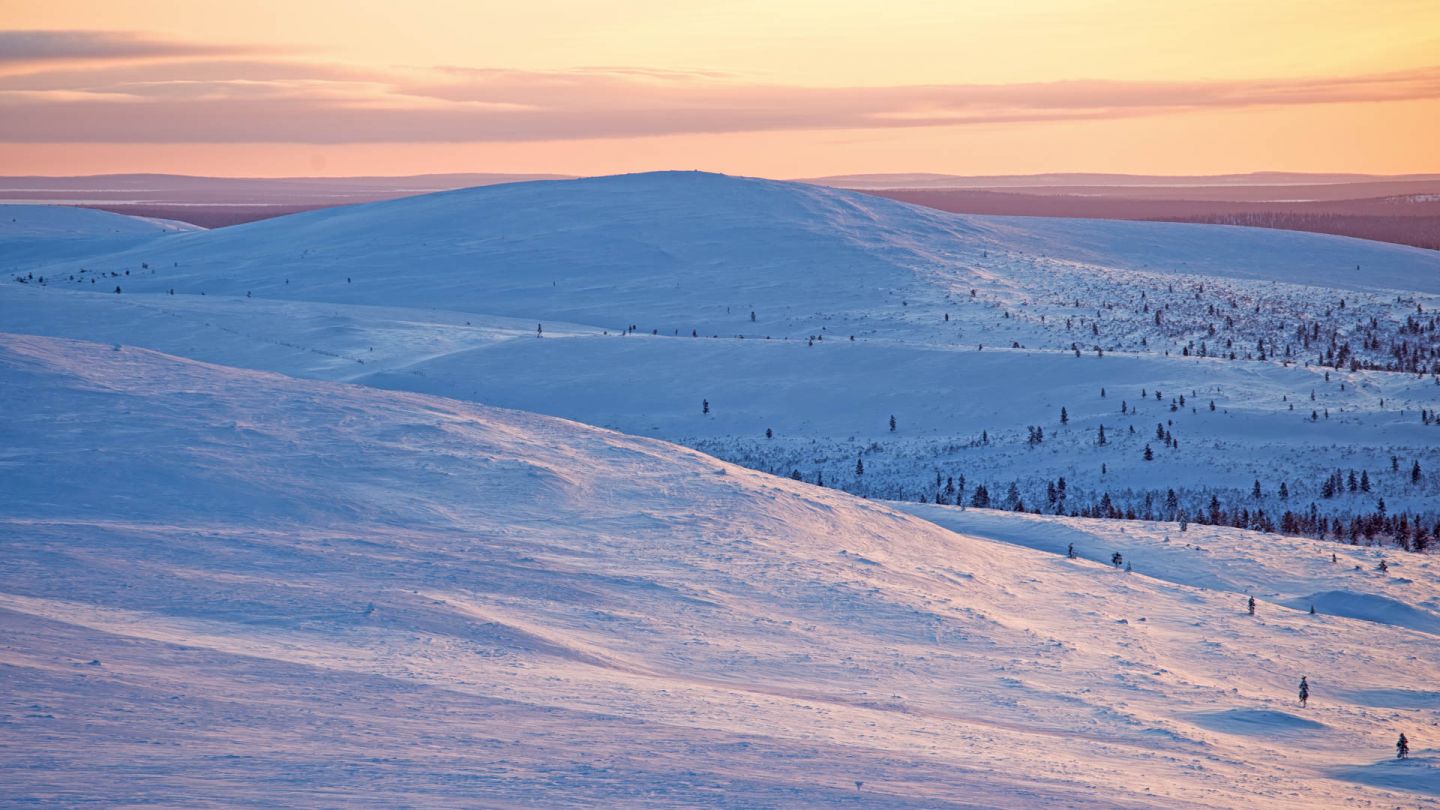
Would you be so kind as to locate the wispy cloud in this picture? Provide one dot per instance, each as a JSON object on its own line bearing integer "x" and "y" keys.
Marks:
{"x": 209, "y": 100}
{"x": 28, "y": 47}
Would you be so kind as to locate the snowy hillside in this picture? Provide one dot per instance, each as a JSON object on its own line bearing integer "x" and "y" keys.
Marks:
{"x": 38, "y": 235}
{"x": 1226, "y": 251}
{"x": 65, "y": 222}
{"x": 669, "y": 248}
{"x": 222, "y": 587}
{"x": 1233, "y": 356}
{"x": 679, "y": 249}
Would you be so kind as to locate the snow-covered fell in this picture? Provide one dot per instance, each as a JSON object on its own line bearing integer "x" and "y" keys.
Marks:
{"x": 385, "y": 578}
{"x": 963, "y": 328}
{"x": 38, "y": 235}
{"x": 66, "y": 222}
{"x": 233, "y": 588}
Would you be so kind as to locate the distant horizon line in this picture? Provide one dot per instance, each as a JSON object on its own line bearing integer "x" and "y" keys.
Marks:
{"x": 1260, "y": 174}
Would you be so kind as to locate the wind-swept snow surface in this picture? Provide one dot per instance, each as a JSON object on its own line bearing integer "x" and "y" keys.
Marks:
{"x": 227, "y": 588}
{"x": 219, "y": 586}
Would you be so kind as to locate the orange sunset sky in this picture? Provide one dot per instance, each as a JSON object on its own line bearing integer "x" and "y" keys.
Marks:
{"x": 782, "y": 88}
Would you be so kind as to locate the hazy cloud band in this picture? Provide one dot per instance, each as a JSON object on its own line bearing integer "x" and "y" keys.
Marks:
{"x": 260, "y": 100}
{"x": 25, "y": 47}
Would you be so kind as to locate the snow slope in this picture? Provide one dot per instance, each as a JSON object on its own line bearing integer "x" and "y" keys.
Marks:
{"x": 228, "y": 588}
{"x": 1293, "y": 572}
{"x": 829, "y": 403}
{"x": 1227, "y": 251}
{"x": 65, "y": 222}
{"x": 39, "y": 235}
{"x": 677, "y": 248}
{"x": 863, "y": 308}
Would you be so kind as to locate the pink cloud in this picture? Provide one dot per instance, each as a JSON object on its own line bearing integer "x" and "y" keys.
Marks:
{"x": 279, "y": 101}
{"x": 26, "y": 47}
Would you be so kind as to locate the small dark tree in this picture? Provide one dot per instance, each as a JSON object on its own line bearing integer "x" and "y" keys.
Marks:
{"x": 704, "y": 406}
{"x": 1064, "y": 416}
{"x": 892, "y": 423}
{"x": 1100, "y": 437}
{"x": 1149, "y": 454}
{"x": 859, "y": 466}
